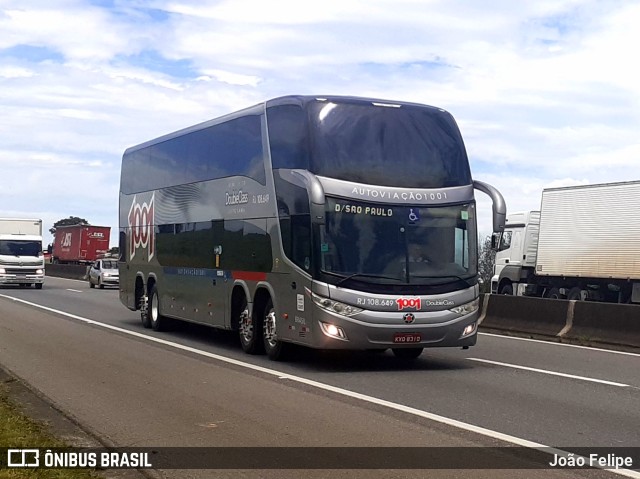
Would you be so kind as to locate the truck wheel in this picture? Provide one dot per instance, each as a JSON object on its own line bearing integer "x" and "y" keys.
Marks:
{"x": 575, "y": 294}
{"x": 507, "y": 289}
{"x": 250, "y": 330}
{"x": 275, "y": 349}
{"x": 38, "y": 285}
{"x": 407, "y": 353}
{"x": 553, "y": 293}
{"x": 158, "y": 322}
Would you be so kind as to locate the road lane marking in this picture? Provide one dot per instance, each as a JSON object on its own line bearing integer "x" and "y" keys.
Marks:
{"x": 555, "y": 343}
{"x": 552, "y": 373}
{"x": 74, "y": 290}
{"x": 327, "y": 387}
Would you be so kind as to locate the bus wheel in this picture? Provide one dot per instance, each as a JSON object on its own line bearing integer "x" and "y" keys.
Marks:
{"x": 250, "y": 332}
{"x": 144, "y": 312}
{"x": 275, "y": 349}
{"x": 158, "y": 322}
{"x": 407, "y": 353}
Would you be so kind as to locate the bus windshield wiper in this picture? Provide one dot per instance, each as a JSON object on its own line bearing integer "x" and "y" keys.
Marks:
{"x": 366, "y": 275}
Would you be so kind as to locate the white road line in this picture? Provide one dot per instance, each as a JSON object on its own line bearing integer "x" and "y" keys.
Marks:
{"x": 552, "y": 373}
{"x": 326, "y": 387}
{"x": 74, "y": 290}
{"x": 554, "y": 343}
{"x": 65, "y": 279}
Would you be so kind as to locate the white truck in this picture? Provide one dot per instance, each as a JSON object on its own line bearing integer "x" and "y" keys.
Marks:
{"x": 583, "y": 244}
{"x": 21, "y": 258}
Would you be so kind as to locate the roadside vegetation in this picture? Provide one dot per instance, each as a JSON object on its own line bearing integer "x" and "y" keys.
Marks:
{"x": 19, "y": 431}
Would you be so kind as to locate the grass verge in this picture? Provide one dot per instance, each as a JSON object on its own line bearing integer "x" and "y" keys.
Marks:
{"x": 19, "y": 431}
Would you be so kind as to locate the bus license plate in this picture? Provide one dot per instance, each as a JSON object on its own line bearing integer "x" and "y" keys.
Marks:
{"x": 407, "y": 338}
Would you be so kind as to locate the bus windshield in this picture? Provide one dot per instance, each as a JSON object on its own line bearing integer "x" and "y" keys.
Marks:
{"x": 405, "y": 146}
{"x": 391, "y": 245}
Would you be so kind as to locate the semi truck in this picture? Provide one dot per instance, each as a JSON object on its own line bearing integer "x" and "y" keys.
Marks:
{"x": 583, "y": 244}
{"x": 80, "y": 244}
{"x": 21, "y": 258}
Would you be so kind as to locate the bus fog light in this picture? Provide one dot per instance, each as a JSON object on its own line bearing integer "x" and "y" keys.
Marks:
{"x": 333, "y": 331}
{"x": 469, "y": 329}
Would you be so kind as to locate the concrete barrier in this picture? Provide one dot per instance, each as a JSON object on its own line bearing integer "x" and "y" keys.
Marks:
{"x": 577, "y": 321}
{"x": 526, "y": 315}
{"x": 70, "y": 271}
{"x": 606, "y": 323}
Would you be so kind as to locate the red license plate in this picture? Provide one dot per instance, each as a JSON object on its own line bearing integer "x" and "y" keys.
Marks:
{"x": 407, "y": 338}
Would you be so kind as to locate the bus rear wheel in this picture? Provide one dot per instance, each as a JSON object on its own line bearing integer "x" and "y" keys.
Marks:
{"x": 275, "y": 349}
{"x": 250, "y": 330}
{"x": 158, "y": 322}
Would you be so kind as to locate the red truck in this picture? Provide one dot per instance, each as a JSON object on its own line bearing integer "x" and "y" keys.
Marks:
{"x": 80, "y": 243}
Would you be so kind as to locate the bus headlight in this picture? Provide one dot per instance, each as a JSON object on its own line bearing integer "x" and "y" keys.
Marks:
{"x": 2, "y": 271}
{"x": 467, "y": 308}
{"x": 39, "y": 271}
{"x": 335, "y": 306}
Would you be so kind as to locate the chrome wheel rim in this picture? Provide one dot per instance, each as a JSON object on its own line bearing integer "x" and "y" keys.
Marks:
{"x": 270, "y": 328}
{"x": 246, "y": 326}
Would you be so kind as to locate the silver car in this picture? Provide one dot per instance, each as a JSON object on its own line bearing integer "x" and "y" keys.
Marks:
{"x": 104, "y": 272}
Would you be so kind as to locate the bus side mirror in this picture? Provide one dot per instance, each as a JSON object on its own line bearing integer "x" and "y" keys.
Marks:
{"x": 499, "y": 206}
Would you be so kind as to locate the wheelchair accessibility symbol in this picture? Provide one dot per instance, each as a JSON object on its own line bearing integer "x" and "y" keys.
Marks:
{"x": 414, "y": 217}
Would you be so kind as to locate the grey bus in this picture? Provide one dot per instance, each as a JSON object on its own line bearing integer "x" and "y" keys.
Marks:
{"x": 329, "y": 222}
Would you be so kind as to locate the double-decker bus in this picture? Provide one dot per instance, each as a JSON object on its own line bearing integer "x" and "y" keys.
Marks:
{"x": 328, "y": 222}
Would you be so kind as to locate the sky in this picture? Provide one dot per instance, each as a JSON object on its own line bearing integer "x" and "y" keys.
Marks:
{"x": 546, "y": 93}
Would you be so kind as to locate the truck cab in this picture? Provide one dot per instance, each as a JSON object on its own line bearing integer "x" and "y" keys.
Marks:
{"x": 516, "y": 250}
{"x": 21, "y": 258}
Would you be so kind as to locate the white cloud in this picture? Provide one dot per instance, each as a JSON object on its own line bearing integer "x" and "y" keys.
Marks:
{"x": 545, "y": 92}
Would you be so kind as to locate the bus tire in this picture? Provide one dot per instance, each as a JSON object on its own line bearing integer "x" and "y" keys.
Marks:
{"x": 275, "y": 349}
{"x": 250, "y": 331}
{"x": 158, "y": 322}
{"x": 407, "y": 353}
{"x": 144, "y": 312}
{"x": 38, "y": 285}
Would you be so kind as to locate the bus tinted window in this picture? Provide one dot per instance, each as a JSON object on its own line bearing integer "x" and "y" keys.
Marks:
{"x": 288, "y": 137}
{"x": 406, "y": 146}
{"x": 233, "y": 148}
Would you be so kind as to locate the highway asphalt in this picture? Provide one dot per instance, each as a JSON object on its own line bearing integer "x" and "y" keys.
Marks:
{"x": 89, "y": 355}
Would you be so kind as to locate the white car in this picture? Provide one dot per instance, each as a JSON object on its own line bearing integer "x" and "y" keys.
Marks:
{"x": 104, "y": 272}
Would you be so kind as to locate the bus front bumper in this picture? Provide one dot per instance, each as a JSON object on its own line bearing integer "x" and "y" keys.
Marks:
{"x": 440, "y": 329}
